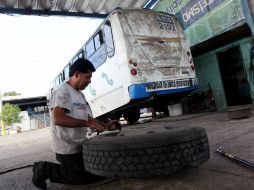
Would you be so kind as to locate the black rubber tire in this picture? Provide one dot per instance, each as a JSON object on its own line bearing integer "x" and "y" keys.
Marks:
{"x": 146, "y": 152}
{"x": 132, "y": 116}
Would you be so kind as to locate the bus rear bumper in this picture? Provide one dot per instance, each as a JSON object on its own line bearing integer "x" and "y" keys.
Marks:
{"x": 140, "y": 91}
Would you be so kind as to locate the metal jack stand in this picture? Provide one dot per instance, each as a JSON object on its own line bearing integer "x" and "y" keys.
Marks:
{"x": 235, "y": 158}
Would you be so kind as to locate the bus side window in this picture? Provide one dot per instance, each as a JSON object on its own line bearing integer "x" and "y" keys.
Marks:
{"x": 51, "y": 91}
{"x": 99, "y": 56}
{"x": 55, "y": 82}
{"x": 81, "y": 54}
{"x": 66, "y": 72}
{"x": 61, "y": 77}
{"x": 74, "y": 59}
{"x": 58, "y": 80}
{"x": 109, "y": 39}
{"x": 98, "y": 40}
{"x": 90, "y": 48}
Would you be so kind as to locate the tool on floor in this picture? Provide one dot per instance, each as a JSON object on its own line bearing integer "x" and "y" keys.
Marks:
{"x": 234, "y": 158}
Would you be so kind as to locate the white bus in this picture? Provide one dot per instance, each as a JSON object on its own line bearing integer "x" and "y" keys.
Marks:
{"x": 142, "y": 59}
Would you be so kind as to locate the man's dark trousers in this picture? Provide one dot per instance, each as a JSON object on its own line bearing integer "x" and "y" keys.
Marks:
{"x": 70, "y": 171}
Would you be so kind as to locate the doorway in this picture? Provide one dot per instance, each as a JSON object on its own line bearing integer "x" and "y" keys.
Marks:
{"x": 236, "y": 86}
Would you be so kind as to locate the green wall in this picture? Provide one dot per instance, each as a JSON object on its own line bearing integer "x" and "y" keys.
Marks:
{"x": 245, "y": 46}
{"x": 207, "y": 70}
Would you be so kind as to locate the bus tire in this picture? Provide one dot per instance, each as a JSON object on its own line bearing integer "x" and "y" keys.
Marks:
{"x": 132, "y": 116}
{"x": 145, "y": 153}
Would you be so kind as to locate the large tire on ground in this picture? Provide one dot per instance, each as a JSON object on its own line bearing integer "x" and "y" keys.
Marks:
{"x": 146, "y": 151}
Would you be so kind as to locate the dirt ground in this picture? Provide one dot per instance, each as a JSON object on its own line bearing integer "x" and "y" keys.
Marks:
{"x": 18, "y": 152}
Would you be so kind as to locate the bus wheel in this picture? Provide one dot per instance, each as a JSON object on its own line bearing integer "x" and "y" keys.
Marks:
{"x": 146, "y": 151}
{"x": 115, "y": 116}
{"x": 132, "y": 116}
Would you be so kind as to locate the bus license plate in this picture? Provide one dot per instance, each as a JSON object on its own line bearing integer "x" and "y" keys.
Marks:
{"x": 165, "y": 85}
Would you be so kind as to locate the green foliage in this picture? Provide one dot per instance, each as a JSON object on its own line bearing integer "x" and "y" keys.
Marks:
{"x": 10, "y": 114}
{"x": 11, "y": 93}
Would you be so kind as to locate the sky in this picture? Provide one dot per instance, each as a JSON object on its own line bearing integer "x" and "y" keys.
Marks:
{"x": 34, "y": 49}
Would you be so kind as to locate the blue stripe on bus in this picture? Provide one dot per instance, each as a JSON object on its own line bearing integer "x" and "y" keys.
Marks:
{"x": 138, "y": 91}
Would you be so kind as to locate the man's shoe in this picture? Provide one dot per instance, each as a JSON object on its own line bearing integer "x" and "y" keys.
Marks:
{"x": 39, "y": 176}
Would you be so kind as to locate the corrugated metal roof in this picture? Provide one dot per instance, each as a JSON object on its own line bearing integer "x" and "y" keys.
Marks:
{"x": 89, "y": 8}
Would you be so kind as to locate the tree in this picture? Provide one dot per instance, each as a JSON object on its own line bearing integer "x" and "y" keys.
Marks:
{"x": 11, "y": 93}
{"x": 10, "y": 114}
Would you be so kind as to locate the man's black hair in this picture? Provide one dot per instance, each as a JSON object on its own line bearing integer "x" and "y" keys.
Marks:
{"x": 81, "y": 65}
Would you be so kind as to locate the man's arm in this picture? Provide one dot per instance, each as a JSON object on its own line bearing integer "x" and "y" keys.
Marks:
{"x": 61, "y": 119}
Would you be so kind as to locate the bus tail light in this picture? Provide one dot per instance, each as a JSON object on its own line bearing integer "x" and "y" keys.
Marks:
{"x": 192, "y": 68}
{"x": 134, "y": 72}
{"x": 133, "y": 63}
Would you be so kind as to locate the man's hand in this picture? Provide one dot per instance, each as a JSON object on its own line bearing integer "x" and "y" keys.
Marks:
{"x": 96, "y": 125}
{"x": 100, "y": 126}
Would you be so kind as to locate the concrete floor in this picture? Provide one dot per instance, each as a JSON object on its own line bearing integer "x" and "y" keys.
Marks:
{"x": 235, "y": 136}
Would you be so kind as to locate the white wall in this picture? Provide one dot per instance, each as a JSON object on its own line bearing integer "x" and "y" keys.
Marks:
{"x": 28, "y": 123}
{"x": 25, "y": 124}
